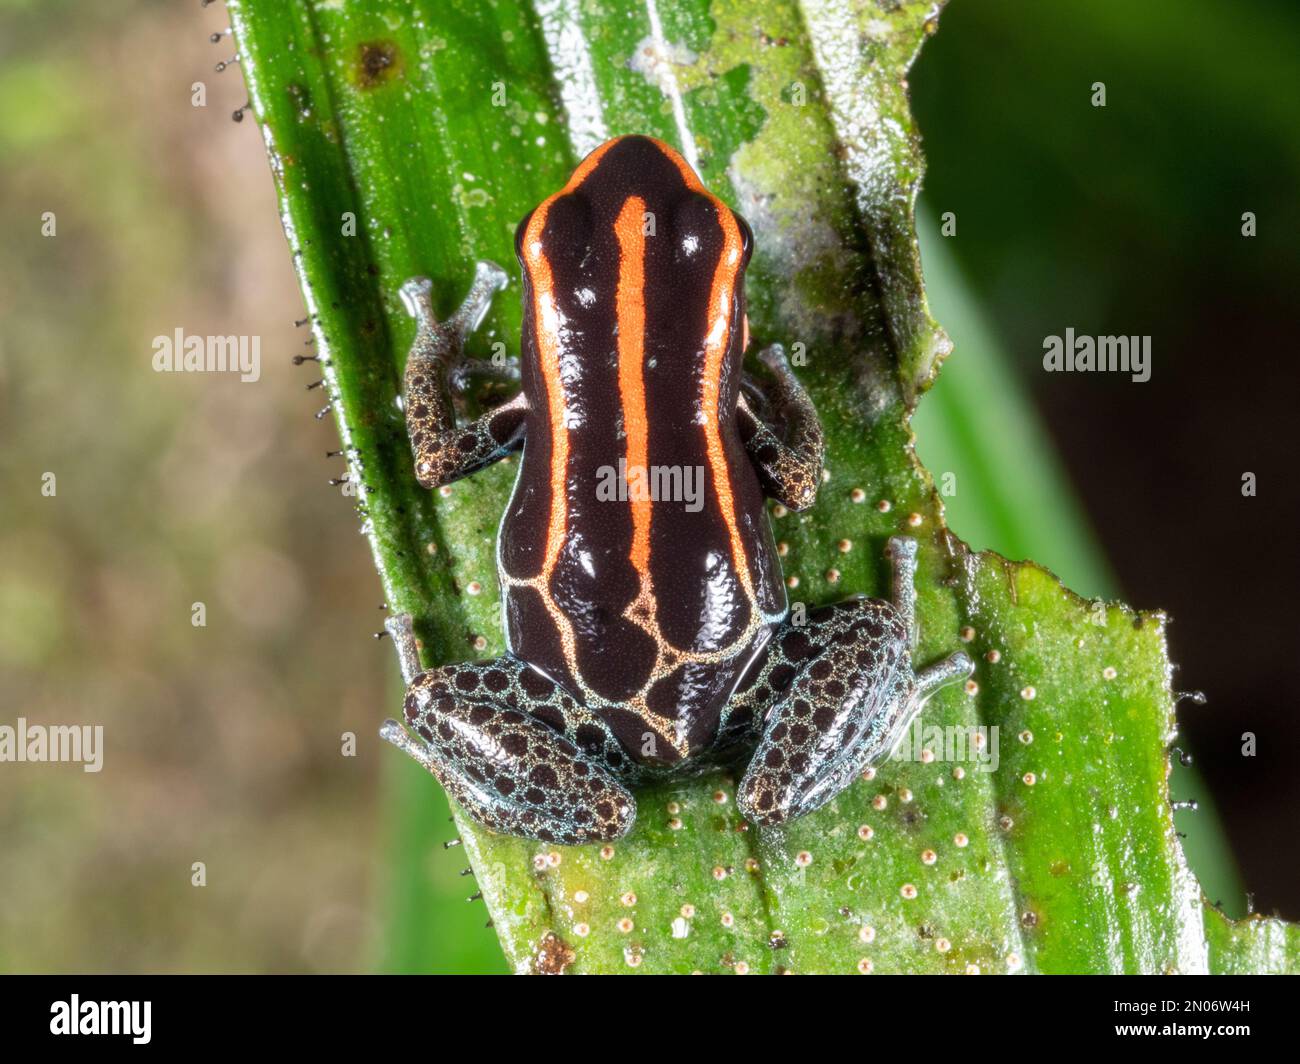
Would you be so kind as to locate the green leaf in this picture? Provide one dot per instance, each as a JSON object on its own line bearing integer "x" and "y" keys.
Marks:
{"x": 438, "y": 125}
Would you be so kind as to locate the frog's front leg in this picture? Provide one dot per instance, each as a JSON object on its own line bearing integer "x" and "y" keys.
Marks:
{"x": 443, "y": 451}
{"x": 789, "y": 463}
{"x": 842, "y": 692}
{"x": 517, "y": 752}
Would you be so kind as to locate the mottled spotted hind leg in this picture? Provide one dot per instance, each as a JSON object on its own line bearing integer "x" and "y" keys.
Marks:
{"x": 444, "y": 452}
{"x": 881, "y": 741}
{"x": 513, "y": 749}
{"x": 842, "y": 693}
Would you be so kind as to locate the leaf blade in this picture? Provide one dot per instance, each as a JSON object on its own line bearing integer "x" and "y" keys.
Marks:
{"x": 390, "y": 116}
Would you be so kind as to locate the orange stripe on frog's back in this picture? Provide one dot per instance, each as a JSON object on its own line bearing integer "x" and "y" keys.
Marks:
{"x": 718, "y": 338}
{"x": 546, "y": 319}
{"x": 630, "y": 305}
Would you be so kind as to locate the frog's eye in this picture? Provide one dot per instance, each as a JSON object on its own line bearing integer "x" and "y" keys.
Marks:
{"x": 746, "y": 239}
{"x": 562, "y": 232}
{"x": 520, "y": 230}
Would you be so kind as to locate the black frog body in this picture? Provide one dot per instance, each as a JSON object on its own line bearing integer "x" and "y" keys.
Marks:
{"x": 653, "y": 602}
{"x": 644, "y": 603}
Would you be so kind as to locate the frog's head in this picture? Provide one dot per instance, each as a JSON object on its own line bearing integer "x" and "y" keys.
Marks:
{"x": 634, "y": 237}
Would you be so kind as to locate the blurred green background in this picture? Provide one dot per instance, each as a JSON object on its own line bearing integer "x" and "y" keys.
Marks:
{"x": 224, "y": 742}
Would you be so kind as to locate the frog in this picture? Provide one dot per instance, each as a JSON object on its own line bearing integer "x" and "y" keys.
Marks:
{"x": 648, "y": 633}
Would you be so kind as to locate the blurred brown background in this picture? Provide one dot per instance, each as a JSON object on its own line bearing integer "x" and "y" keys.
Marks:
{"x": 222, "y": 742}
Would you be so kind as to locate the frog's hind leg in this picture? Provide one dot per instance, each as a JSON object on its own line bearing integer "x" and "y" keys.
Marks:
{"x": 828, "y": 682}
{"x": 843, "y": 692}
{"x": 502, "y": 741}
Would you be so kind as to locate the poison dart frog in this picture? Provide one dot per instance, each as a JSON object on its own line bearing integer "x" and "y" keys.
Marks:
{"x": 645, "y": 612}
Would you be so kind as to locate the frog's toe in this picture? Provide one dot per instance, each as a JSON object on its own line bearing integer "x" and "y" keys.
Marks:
{"x": 762, "y": 799}
{"x": 769, "y": 796}
{"x": 511, "y": 772}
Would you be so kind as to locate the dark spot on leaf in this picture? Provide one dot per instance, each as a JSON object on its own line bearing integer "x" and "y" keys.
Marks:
{"x": 378, "y": 62}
